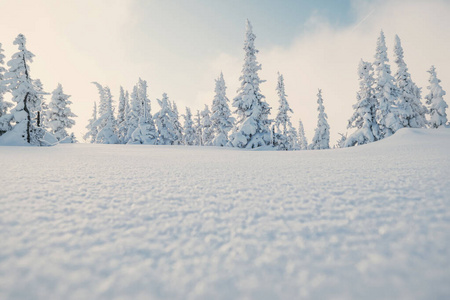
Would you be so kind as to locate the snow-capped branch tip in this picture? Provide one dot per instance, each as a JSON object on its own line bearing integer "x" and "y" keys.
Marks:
{"x": 398, "y": 49}
{"x": 432, "y": 70}
{"x": 381, "y": 39}
{"x": 248, "y": 26}
{"x": 20, "y": 40}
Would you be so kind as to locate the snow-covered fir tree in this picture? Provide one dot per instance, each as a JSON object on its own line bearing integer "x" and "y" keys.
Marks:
{"x": 133, "y": 114}
{"x": 18, "y": 81}
{"x": 321, "y": 139}
{"x": 146, "y": 132}
{"x": 285, "y": 135}
{"x": 221, "y": 118}
{"x": 91, "y": 134}
{"x": 198, "y": 129}
{"x": 59, "y": 115}
{"x": 106, "y": 122}
{"x": 164, "y": 120}
{"x": 4, "y": 105}
{"x": 302, "y": 141}
{"x": 177, "y": 125}
{"x": 122, "y": 126}
{"x": 42, "y": 114}
{"x": 341, "y": 142}
{"x": 385, "y": 92}
{"x": 364, "y": 116}
{"x": 189, "y": 135}
{"x": 411, "y": 110}
{"x": 436, "y": 102}
{"x": 252, "y": 128}
{"x": 293, "y": 138}
{"x": 207, "y": 129}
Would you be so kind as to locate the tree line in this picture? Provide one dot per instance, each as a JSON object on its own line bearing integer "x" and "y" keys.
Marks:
{"x": 385, "y": 102}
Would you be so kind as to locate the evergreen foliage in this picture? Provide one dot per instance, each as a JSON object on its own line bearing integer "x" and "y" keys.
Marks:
{"x": 436, "y": 102}
{"x": 164, "y": 120}
{"x": 189, "y": 134}
{"x": 221, "y": 118}
{"x": 59, "y": 116}
{"x": 207, "y": 129}
{"x": 385, "y": 92}
{"x": 302, "y": 141}
{"x": 364, "y": 117}
{"x": 252, "y": 128}
{"x": 321, "y": 139}
{"x": 412, "y": 111}
{"x": 285, "y": 135}
{"x": 91, "y": 134}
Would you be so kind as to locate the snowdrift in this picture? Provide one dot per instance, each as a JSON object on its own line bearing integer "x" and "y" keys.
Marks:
{"x": 83, "y": 221}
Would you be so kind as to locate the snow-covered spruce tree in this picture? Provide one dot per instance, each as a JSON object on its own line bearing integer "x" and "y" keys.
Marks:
{"x": 133, "y": 114}
{"x": 91, "y": 134}
{"x": 18, "y": 81}
{"x": 41, "y": 118}
{"x": 177, "y": 125}
{"x": 106, "y": 123}
{"x": 146, "y": 132}
{"x": 411, "y": 110}
{"x": 302, "y": 141}
{"x": 122, "y": 126}
{"x": 293, "y": 138}
{"x": 207, "y": 130}
{"x": 59, "y": 116}
{"x": 252, "y": 128}
{"x": 4, "y": 105}
{"x": 189, "y": 135}
{"x": 436, "y": 102}
{"x": 385, "y": 92}
{"x": 321, "y": 139}
{"x": 341, "y": 142}
{"x": 364, "y": 117}
{"x": 198, "y": 129}
{"x": 285, "y": 135}
{"x": 221, "y": 118}
{"x": 164, "y": 120}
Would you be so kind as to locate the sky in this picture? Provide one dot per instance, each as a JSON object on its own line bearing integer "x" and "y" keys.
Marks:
{"x": 180, "y": 47}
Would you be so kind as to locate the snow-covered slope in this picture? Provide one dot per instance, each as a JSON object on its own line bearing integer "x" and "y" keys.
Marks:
{"x": 85, "y": 221}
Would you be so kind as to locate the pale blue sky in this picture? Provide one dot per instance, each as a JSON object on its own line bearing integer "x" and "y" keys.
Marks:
{"x": 203, "y": 28}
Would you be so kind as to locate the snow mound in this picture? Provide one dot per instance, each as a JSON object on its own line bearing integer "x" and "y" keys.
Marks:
{"x": 13, "y": 137}
{"x": 88, "y": 221}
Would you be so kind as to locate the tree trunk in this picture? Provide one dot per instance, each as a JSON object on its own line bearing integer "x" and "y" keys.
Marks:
{"x": 25, "y": 108}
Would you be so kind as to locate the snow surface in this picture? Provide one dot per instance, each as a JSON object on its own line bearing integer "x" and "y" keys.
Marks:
{"x": 89, "y": 221}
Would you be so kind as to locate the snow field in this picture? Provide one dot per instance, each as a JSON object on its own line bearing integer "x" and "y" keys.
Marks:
{"x": 84, "y": 221}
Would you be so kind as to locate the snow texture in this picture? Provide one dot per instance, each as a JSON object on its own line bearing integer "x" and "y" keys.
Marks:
{"x": 175, "y": 222}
